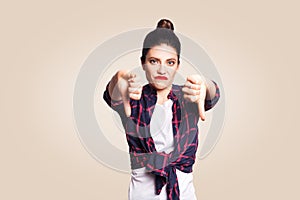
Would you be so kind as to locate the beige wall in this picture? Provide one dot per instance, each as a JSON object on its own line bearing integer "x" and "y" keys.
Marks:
{"x": 254, "y": 44}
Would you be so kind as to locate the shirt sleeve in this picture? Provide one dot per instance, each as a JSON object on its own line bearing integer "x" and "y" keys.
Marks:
{"x": 209, "y": 104}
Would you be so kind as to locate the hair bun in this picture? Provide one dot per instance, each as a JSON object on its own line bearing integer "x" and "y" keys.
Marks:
{"x": 165, "y": 23}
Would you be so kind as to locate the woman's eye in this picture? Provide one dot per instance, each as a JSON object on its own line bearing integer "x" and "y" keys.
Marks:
{"x": 171, "y": 62}
{"x": 153, "y": 62}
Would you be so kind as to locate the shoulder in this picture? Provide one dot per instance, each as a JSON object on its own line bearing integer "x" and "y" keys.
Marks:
{"x": 177, "y": 87}
{"x": 177, "y": 90}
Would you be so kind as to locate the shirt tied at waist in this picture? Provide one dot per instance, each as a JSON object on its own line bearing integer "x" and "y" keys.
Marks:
{"x": 164, "y": 166}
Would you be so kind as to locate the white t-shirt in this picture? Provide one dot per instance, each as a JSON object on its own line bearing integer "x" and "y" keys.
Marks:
{"x": 142, "y": 184}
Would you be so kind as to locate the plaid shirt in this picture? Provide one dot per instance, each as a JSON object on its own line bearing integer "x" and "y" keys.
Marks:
{"x": 141, "y": 145}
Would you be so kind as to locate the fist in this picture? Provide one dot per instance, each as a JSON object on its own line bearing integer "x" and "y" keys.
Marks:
{"x": 194, "y": 90}
{"x": 129, "y": 86}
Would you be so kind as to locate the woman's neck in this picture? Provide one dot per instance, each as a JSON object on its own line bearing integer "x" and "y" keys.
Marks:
{"x": 162, "y": 95}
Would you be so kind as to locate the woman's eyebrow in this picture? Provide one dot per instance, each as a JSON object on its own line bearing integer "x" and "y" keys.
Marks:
{"x": 159, "y": 59}
{"x": 171, "y": 59}
{"x": 153, "y": 58}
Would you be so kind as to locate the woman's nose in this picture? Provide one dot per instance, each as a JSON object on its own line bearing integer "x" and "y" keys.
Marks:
{"x": 161, "y": 69}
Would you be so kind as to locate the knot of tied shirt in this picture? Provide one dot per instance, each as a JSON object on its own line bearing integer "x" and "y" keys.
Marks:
{"x": 164, "y": 166}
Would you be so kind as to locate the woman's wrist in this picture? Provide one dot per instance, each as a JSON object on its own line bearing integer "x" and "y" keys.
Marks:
{"x": 113, "y": 89}
{"x": 210, "y": 89}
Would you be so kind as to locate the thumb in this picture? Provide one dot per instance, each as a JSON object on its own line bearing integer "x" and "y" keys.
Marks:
{"x": 201, "y": 110}
{"x": 201, "y": 102}
{"x": 126, "y": 103}
{"x": 124, "y": 93}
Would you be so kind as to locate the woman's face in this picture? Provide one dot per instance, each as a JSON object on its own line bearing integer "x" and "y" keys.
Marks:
{"x": 161, "y": 65}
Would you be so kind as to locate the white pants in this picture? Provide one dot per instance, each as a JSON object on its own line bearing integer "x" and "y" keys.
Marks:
{"x": 142, "y": 186}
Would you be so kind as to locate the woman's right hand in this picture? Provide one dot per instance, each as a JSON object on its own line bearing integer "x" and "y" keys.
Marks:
{"x": 125, "y": 85}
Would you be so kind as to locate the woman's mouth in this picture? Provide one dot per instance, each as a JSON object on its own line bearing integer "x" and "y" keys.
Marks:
{"x": 161, "y": 78}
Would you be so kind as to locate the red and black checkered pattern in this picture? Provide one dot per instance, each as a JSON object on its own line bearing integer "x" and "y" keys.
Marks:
{"x": 141, "y": 145}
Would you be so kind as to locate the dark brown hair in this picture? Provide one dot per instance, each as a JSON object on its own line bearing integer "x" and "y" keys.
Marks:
{"x": 163, "y": 34}
{"x": 165, "y": 23}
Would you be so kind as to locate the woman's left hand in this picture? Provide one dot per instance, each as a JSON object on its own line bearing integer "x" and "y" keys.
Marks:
{"x": 194, "y": 90}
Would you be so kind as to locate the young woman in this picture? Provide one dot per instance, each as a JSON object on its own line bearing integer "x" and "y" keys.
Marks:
{"x": 160, "y": 119}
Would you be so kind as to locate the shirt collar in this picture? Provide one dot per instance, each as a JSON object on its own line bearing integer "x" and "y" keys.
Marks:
{"x": 174, "y": 93}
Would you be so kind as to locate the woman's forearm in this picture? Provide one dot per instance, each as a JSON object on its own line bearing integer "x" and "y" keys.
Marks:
{"x": 210, "y": 90}
{"x": 113, "y": 89}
